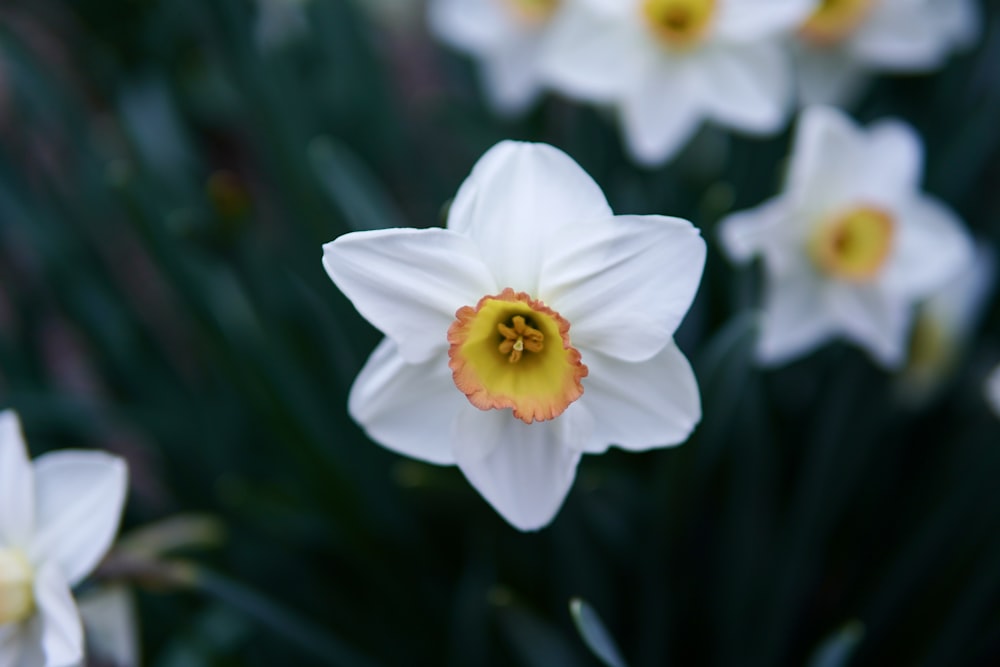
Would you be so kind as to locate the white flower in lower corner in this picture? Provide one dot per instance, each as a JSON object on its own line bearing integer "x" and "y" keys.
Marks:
{"x": 669, "y": 65}
{"x": 852, "y": 244}
{"x": 505, "y": 36}
{"x": 844, "y": 41}
{"x": 58, "y": 517}
{"x": 537, "y": 327}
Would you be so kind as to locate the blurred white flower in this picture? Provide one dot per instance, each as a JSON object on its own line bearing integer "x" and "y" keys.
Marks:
{"x": 944, "y": 322}
{"x": 852, "y": 244}
{"x": 845, "y": 40}
{"x": 991, "y": 390}
{"x": 58, "y": 517}
{"x": 667, "y": 65}
{"x": 536, "y": 328}
{"x": 505, "y": 36}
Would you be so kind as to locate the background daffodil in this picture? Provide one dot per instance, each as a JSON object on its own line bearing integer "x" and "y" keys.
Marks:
{"x": 537, "y": 327}
{"x": 852, "y": 244}
{"x": 58, "y": 517}
{"x": 669, "y": 65}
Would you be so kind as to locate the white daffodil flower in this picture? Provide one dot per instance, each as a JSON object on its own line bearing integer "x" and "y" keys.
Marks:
{"x": 58, "y": 516}
{"x": 505, "y": 36}
{"x": 845, "y": 40}
{"x": 537, "y": 327}
{"x": 852, "y": 244}
{"x": 667, "y": 65}
{"x": 943, "y": 325}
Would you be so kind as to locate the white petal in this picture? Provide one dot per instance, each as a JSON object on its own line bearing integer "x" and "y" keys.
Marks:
{"x": 874, "y": 321}
{"x": 638, "y": 406}
{"x": 662, "y": 112}
{"x": 62, "y": 632}
{"x": 523, "y": 470}
{"x": 408, "y": 408}
{"x": 624, "y": 283}
{"x": 829, "y": 150}
{"x": 749, "y": 20}
{"x": 511, "y": 76}
{"x": 590, "y": 57}
{"x": 771, "y": 230}
{"x": 80, "y": 495}
{"x": 902, "y": 36}
{"x": 892, "y": 165}
{"x": 519, "y": 201}
{"x": 409, "y": 282}
{"x": 751, "y": 86}
{"x": 17, "y": 487}
{"x": 796, "y": 318}
{"x": 475, "y": 26}
{"x": 933, "y": 247}
{"x": 13, "y": 640}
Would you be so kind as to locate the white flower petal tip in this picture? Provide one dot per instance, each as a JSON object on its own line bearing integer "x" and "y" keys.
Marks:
{"x": 536, "y": 310}
{"x": 840, "y": 44}
{"x": 852, "y": 245}
{"x": 725, "y": 63}
{"x": 56, "y": 523}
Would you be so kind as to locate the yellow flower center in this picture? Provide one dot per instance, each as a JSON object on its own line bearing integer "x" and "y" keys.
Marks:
{"x": 512, "y": 351}
{"x": 854, "y": 245}
{"x": 533, "y": 12}
{"x": 17, "y": 599}
{"x": 679, "y": 24}
{"x": 834, "y": 20}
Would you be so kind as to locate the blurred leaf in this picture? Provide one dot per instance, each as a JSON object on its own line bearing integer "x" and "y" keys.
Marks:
{"x": 353, "y": 187}
{"x": 594, "y": 634}
{"x": 836, "y": 650}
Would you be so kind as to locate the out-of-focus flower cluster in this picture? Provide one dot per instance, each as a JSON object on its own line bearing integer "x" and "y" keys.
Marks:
{"x": 667, "y": 66}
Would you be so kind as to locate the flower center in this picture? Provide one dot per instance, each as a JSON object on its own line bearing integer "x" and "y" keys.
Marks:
{"x": 854, "y": 245}
{"x": 512, "y": 351}
{"x": 533, "y": 12}
{"x": 17, "y": 599}
{"x": 834, "y": 20}
{"x": 679, "y": 24}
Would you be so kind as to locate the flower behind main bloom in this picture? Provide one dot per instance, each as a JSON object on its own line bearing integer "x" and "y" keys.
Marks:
{"x": 505, "y": 37}
{"x": 58, "y": 516}
{"x": 844, "y": 41}
{"x": 852, "y": 244}
{"x": 668, "y": 65}
{"x": 537, "y": 327}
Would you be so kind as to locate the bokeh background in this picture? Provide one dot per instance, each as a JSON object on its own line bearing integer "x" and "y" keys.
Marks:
{"x": 168, "y": 172}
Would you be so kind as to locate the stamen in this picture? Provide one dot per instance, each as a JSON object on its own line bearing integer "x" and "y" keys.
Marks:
{"x": 518, "y": 336}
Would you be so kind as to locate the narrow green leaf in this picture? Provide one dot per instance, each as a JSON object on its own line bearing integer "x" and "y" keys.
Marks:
{"x": 594, "y": 634}
{"x": 836, "y": 650}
